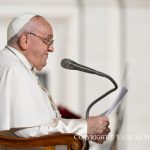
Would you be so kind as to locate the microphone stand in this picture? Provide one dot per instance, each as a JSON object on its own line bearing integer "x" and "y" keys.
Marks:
{"x": 105, "y": 94}
{"x": 70, "y": 64}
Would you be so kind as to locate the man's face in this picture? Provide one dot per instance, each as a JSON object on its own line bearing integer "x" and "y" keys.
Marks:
{"x": 40, "y": 44}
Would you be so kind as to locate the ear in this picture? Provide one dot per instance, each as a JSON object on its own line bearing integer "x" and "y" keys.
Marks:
{"x": 23, "y": 43}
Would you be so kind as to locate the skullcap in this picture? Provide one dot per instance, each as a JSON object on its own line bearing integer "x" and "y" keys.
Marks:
{"x": 17, "y": 24}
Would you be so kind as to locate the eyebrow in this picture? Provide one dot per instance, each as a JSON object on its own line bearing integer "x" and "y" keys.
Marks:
{"x": 50, "y": 36}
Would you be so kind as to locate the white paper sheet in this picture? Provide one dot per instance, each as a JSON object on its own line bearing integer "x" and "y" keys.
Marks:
{"x": 119, "y": 98}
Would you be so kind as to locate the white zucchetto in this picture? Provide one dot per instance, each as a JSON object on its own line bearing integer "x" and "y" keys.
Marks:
{"x": 17, "y": 24}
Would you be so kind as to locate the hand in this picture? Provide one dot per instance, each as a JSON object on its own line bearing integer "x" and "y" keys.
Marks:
{"x": 98, "y": 128}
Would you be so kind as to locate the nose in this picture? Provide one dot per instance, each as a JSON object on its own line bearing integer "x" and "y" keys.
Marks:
{"x": 51, "y": 48}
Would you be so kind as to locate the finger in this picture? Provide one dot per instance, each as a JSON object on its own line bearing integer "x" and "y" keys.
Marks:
{"x": 104, "y": 118}
{"x": 102, "y": 138}
{"x": 107, "y": 123}
{"x": 99, "y": 138}
{"x": 104, "y": 125}
{"x": 106, "y": 130}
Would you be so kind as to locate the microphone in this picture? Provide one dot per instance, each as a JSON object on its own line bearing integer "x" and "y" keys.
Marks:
{"x": 70, "y": 64}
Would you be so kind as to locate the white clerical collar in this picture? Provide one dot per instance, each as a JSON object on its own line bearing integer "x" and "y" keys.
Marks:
{"x": 21, "y": 57}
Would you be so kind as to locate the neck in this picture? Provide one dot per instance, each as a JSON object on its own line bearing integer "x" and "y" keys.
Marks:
{"x": 22, "y": 52}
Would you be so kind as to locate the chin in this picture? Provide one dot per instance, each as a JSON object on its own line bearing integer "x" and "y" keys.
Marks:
{"x": 39, "y": 68}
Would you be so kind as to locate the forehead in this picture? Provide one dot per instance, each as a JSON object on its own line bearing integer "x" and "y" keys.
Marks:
{"x": 42, "y": 26}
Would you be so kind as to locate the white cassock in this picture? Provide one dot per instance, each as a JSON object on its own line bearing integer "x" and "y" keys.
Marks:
{"x": 24, "y": 104}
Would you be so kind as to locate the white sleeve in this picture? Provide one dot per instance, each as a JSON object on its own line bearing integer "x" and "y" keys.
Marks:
{"x": 77, "y": 126}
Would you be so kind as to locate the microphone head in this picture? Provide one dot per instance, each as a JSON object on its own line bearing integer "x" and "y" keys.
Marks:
{"x": 67, "y": 63}
{"x": 70, "y": 64}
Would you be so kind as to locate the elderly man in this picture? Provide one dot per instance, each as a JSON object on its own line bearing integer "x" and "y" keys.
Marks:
{"x": 28, "y": 109}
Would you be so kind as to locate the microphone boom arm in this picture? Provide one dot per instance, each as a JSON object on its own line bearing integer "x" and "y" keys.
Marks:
{"x": 105, "y": 94}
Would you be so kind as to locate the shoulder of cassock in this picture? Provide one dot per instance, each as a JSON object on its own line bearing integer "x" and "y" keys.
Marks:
{"x": 21, "y": 105}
